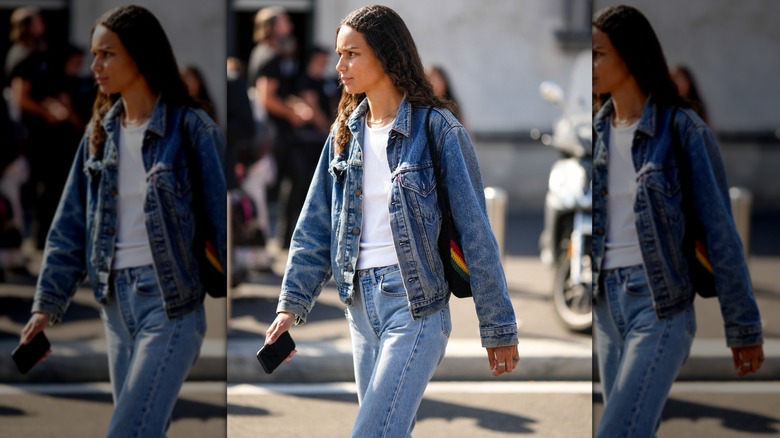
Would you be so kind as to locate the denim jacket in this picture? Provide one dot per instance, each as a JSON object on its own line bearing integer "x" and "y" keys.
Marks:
{"x": 83, "y": 234}
{"x": 327, "y": 238}
{"x": 660, "y": 221}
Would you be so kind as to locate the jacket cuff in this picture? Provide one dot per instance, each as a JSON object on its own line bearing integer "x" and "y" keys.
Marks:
{"x": 498, "y": 336}
{"x": 52, "y": 309}
{"x": 744, "y": 337}
{"x": 297, "y": 308}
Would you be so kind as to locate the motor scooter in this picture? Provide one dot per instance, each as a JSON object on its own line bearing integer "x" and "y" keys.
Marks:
{"x": 566, "y": 241}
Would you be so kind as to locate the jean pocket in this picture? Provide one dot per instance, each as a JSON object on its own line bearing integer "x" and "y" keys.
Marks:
{"x": 392, "y": 285}
{"x": 636, "y": 284}
{"x": 146, "y": 283}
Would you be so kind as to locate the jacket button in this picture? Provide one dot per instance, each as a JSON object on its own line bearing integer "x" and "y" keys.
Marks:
{"x": 114, "y": 192}
{"x": 600, "y": 231}
{"x": 356, "y": 231}
{"x": 110, "y": 231}
{"x": 358, "y": 192}
{"x": 603, "y": 192}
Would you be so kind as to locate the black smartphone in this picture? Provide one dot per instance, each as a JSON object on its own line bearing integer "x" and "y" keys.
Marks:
{"x": 271, "y": 356}
{"x": 27, "y": 355}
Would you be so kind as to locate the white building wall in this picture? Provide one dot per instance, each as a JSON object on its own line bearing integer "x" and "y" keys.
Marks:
{"x": 496, "y": 53}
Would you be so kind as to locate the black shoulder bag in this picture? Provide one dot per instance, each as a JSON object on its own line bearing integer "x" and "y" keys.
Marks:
{"x": 455, "y": 270}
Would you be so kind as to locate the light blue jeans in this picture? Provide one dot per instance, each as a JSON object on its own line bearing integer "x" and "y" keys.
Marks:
{"x": 639, "y": 356}
{"x": 149, "y": 356}
{"x": 394, "y": 356}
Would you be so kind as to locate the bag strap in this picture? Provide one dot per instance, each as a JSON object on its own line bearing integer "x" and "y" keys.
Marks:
{"x": 685, "y": 169}
{"x": 193, "y": 168}
{"x": 436, "y": 152}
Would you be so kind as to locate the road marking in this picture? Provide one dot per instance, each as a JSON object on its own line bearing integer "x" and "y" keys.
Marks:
{"x": 718, "y": 388}
{"x": 433, "y": 388}
{"x": 96, "y": 388}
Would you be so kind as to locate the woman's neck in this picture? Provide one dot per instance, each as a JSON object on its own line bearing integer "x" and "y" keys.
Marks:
{"x": 138, "y": 105}
{"x": 383, "y": 105}
{"x": 628, "y": 103}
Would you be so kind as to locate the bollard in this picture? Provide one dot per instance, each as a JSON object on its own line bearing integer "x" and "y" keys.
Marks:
{"x": 496, "y": 200}
{"x": 741, "y": 204}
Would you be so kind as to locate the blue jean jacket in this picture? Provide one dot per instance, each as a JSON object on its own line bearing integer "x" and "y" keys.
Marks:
{"x": 327, "y": 237}
{"x": 660, "y": 222}
{"x": 83, "y": 233}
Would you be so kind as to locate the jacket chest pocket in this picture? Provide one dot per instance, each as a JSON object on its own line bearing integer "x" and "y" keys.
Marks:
{"x": 419, "y": 190}
{"x": 665, "y": 194}
{"x": 173, "y": 189}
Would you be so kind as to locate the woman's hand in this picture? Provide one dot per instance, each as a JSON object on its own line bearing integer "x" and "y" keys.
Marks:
{"x": 503, "y": 359}
{"x": 283, "y": 322}
{"x": 38, "y": 321}
{"x": 747, "y": 359}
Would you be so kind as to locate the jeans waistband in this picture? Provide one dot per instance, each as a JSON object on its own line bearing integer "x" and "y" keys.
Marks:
{"x": 623, "y": 270}
{"x": 130, "y": 272}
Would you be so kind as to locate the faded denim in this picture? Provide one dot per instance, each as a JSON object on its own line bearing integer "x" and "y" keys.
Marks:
{"x": 395, "y": 356}
{"x": 83, "y": 233}
{"x": 149, "y": 356}
{"x": 327, "y": 237}
{"x": 659, "y": 217}
{"x": 639, "y": 357}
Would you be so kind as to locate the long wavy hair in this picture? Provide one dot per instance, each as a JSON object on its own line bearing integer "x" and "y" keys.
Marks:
{"x": 637, "y": 44}
{"x": 389, "y": 38}
{"x": 145, "y": 41}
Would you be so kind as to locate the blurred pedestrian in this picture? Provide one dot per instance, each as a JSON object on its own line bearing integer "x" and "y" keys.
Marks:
{"x": 372, "y": 220}
{"x": 126, "y": 219}
{"x": 196, "y": 87}
{"x": 240, "y": 125}
{"x": 250, "y": 179}
{"x": 36, "y": 88}
{"x": 689, "y": 90}
{"x": 11, "y": 256}
{"x": 442, "y": 87}
{"x": 657, "y": 168}
{"x": 274, "y": 70}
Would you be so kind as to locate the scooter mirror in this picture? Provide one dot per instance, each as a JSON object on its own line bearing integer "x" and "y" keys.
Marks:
{"x": 551, "y": 92}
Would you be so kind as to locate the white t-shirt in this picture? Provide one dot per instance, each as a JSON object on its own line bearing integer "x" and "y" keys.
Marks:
{"x": 622, "y": 246}
{"x": 376, "y": 242}
{"x": 132, "y": 242}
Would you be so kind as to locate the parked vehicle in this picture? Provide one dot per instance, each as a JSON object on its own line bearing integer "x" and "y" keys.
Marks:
{"x": 566, "y": 241}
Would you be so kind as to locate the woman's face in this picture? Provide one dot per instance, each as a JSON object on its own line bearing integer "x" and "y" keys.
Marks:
{"x": 360, "y": 71}
{"x": 115, "y": 71}
{"x": 609, "y": 71}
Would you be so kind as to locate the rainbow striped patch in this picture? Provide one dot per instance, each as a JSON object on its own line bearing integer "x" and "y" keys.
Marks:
{"x": 457, "y": 261}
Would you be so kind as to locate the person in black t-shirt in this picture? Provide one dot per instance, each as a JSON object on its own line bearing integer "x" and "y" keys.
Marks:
{"x": 273, "y": 70}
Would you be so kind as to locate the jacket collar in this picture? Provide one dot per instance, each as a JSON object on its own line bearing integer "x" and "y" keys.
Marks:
{"x": 403, "y": 120}
{"x": 647, "y": 122}
{"x": 156, "y": 123}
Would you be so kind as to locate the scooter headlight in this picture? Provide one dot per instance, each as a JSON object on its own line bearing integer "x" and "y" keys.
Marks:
{"x": 567, "y": 178}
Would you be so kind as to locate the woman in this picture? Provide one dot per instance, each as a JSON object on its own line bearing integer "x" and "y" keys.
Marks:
{"x": 643, "y": 309}
{"x": 371, "y": 219}
{"x": 196, "y": 87}
{"x": 686, "y": 86}
{"x": 126, "y": 220}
